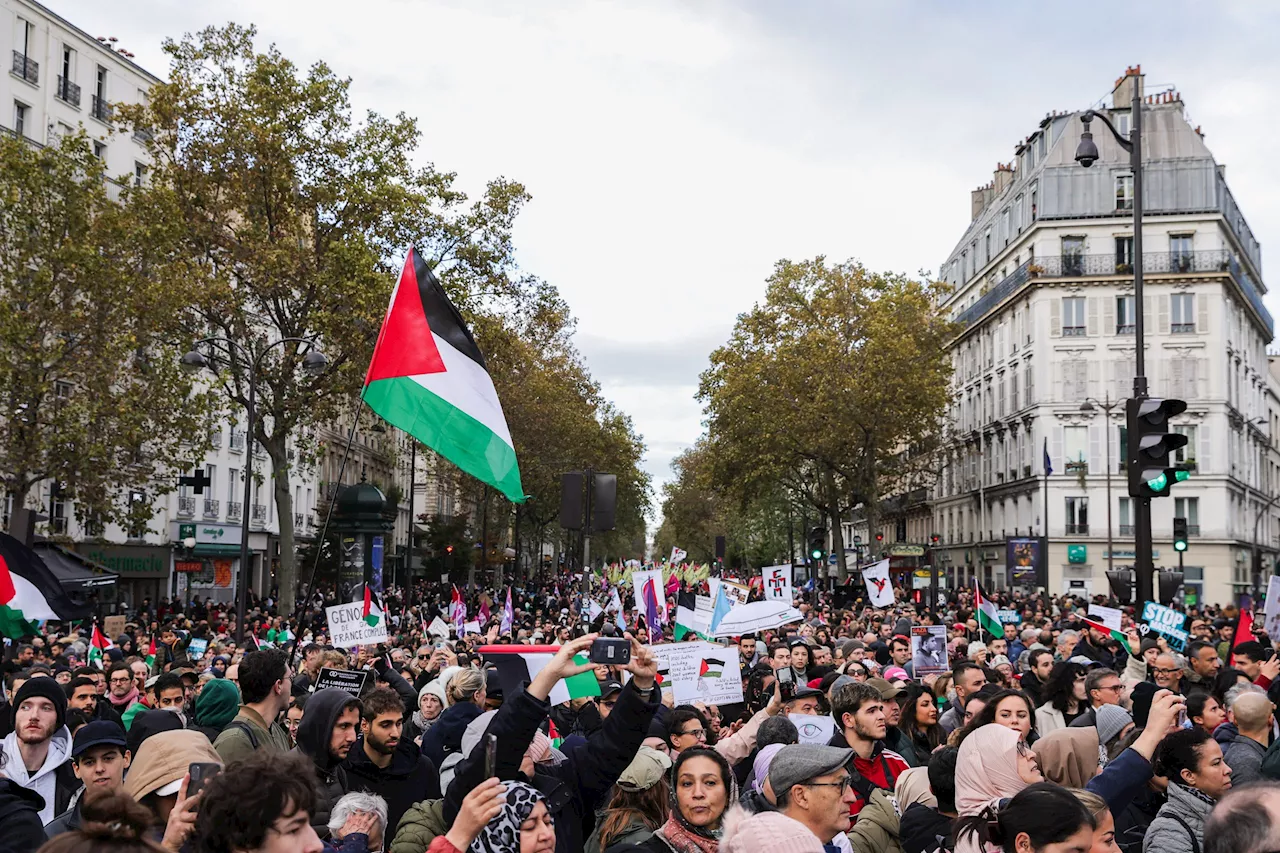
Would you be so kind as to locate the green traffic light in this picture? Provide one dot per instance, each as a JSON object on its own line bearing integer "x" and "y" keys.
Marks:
{"x": 1181, "y": 476}
{"x": 1180, "y": 545}
{"x": 816, "y": 554}
{"x": 1157, "y": 484}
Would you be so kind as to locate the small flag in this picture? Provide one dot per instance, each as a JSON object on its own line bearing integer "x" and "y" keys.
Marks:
{"x": 619, "y": 616}
{"x": 508, "y": 615}
{"x": 721, "y": 608}
{"x": 151, "y": 654}
{"x": 711, "y": 668}
{"x": 988, "y": 615}
{"x": 458, "y": 611}
{"x": 484, "y": 612}
{"x": 1048, "y": 466}
{"x": 98, "y": 646}
{"x": 1242, "y": 634}
{"x": 372, "y": 614}
{"x": 1113, "y": 634}
{"x": 518, "y": 665}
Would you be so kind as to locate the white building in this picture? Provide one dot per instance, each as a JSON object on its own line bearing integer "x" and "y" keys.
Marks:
{"x": 1044, "y": 296}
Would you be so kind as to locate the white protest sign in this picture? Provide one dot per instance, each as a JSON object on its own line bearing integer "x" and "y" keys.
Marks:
{"x": 438, "y": 628}
{"x": 777, "y": 583}
{"x": 699, "y": 672}
{"x": 347, "y": 627}
{"x": 879, "y": 587}
{"x": 814, "y": 729}
{"x": 737, "y": 593}
{"x": 1271, "y": 618}
{"x": 1109, "y": 616}
{"x": 471, "y": 627}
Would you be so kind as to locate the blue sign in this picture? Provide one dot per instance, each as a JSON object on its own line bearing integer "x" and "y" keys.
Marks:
{"x": 196, "y": 648}
{"x": 1169, "y": 623}
{"x": 375, "y": 563}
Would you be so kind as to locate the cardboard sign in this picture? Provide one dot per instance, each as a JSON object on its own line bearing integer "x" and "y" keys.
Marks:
{"x": 113, "y": 626}
{"x": 1109, "y": 616}
{"x": 929, "y": 650}
{"x": 1169, "y": 623}
{"x": 348, "y": 628}
{"x": 699, "y": 672}
{"x": 351, "y": 680}
{"x": 777, "y": 583}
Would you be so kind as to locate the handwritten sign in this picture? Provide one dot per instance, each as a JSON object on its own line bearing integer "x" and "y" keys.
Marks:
{"x": 699, "y": 672}
{"x": 777, "y": 583}
{"x": 1166, "y": 621}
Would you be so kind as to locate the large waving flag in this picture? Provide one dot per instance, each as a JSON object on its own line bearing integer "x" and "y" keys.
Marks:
{"x": 428, "y": 377}
{"x": 987, "y": 615}
{"x": 29, "y": 592}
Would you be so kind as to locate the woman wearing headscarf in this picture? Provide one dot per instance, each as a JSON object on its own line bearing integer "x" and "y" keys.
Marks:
{"x": 1069, "y": 756}
{"x": 994, "y": 764}
{"x": 498, "y": 817}
{"x": 703, "y": 789}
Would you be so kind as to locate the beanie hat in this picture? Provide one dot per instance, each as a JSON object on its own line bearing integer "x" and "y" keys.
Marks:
{"x": 1149, "y": 643}
{"x": 1141, "y": 695}
{"x": 44, "y": 688}
{"x": 766, "y": 832}
{"x": 1110, "y": 721}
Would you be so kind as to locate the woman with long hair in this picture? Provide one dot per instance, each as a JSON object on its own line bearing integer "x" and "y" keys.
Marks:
{"x": 1198, "y": 777}
{"x": 920, "y": 721}
{"x": 1042, "y": 816}
{"x": 640, "y": 804}
{"x": 1104, "y": 825}
{"x": 1064, "y": 698}
{"x": 1205, "y": 710}
{"x": 1009, "y": 708}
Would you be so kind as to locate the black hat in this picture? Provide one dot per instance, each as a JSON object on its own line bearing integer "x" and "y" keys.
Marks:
{"x": 610, "y": 687}
{"x": 805, "y": 693}
{"x": 45, "y": 688}
{"x": 98, "y": 733}
{"x": 1141, "y": 695}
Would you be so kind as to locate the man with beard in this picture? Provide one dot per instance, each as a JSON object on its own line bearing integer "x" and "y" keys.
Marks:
{"x": 326, "y": 734}
{"x": 383, "y": 762}
{"x": 121, "y": 690}
{"x": 859, "y": 713}
{"x": 38, "y": 750}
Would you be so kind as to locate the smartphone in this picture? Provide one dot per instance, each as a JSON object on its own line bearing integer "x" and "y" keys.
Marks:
{"x": 440, "y": 644}
{"x": 786, "y": 684}
{"x": 490, "y": 756}
{"x": 201, "y": 772}
{"x": 614, "y": 651}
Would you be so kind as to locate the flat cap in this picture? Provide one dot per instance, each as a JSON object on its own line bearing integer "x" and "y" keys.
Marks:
{"x": 801, "y": 762}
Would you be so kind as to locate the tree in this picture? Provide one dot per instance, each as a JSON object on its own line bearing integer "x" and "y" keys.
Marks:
{"x": 93, "y": 398}
{"x": 288, "y": 219}
{"x": 833, "y": 387}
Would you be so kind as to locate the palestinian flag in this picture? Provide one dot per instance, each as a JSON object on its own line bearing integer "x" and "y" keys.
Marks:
{"x": 151, "y": 654}
{"x": 518, "y": 665}
{"x": 372, "y": 613}
{"x": 428, "y": 377}
{"x": 711, "y": 668}
{"x": 664, "y": 673}
{"x": 98, "y": 647}
{"x": 1118, "y": 636}
{"x": 690, "y": 619}
{"x": 987, "y": 615}
{"x": 29, "y": 593}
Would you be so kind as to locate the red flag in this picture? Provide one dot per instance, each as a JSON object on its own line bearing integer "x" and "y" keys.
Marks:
{"x": 1242, "y": 634}
{"x": 7, "y": 590}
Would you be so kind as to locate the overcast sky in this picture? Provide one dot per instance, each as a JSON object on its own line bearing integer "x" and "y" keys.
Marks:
{"x": 676, "y": 150}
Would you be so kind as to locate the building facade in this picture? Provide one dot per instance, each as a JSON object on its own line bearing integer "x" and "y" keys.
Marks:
{"x": 1045, "y": 356}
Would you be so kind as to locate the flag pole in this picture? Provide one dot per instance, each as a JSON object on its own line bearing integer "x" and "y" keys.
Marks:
{"x": 324, "y": 531}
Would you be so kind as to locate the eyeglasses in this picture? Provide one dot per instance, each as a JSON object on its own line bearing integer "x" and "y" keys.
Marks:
{"x": 1113, "y": 687}
{"x": 843, "y": 784}
{"x": 1160, "y": 670}
{"x": 1025, "y": 750}
{"x": 700, "y": 734}
{"x": 122, "y": 680}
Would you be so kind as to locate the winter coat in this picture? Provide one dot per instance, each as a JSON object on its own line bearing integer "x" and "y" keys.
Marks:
{"x": 1166, "y": 835}
{"x": 1049, "y": 719}
{"x": 919, "y": 828}
{"x": 314, "y": 733}
{"x": 876, "y": 828}
{"x": 1244, "y": 757}
{"x": 880, "y": 771}
{"x": 635, "y": 832}
{"x": 68, "y": 821}
{"x": 577, "y": 787}
{"x": 421, "y": 825}
{"x": 20, "y": 816}
{"x": 1087, "y": 720}
{"x": 410, "y": 778}
{"x": 216, "y": 706}
{"x": 1122, "y": 780}
{"x": 953, "y": 718}
{"x": 1132, "y": 822}
{"x": 54, "y": 781}
{"x": 896, "y": 740}
{"x": 247, "y": 733}
{"x": 445, "y": 737}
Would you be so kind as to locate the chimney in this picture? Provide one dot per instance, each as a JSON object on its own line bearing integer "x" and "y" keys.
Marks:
{"x": 1122, "y": 94}
{"x": 1002, "y": 178}
{"x": 977, "y": 202}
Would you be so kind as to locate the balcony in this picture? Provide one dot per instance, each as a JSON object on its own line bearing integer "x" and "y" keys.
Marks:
{"x": 143, "y": 135}
{"x": 297, "y": 520}
{"x": 259, "y": 515}
{"x": 1078, "y": 529}
{"x": 100, "y": 109}
{"x": 311, "y": 520}
{"x": 215, "y": 439}
{"x": 26, "y": 68}
{"x": 237, "y": 442}
{"x": 67, "y": 91}
{"x": 233, "y": 510}
{"x": 210, "y": 508}
{"x": 186, "y": 506}
{"x": 1126, "y": 530}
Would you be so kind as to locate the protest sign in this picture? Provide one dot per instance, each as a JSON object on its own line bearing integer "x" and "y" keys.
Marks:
{"x": 1109, "y": 616}
{"x": 777, "y": 583}
{"x": 879, "y": 587}
{"x": 1009, "y": 617}
{"x": 438, "y": 628}
{"x": 814, "y": 729}
{"x": 699, "y": 672}
{"x": 352, "y": 681}
{"x": 1271, "y": 619}
{"x": 929, "y": 649}
{"x": 113, "y": 626}
{"x": 348, "y": 626}
{"x": 755, "y": 617}
{"x": 737, "y": 593}
{"x": 196, "y": 648}
{"x": 638, "y": 581}
{"x": 1166, "y": 621}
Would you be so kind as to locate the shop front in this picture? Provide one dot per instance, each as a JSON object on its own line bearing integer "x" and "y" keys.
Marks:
{"x": 208, "y": 568}
{"x": 142, "y": 570}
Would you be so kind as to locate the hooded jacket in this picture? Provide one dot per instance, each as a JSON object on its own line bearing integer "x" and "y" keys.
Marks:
{"x": 20, "y": 816}
{"x": 876, "y": 828}
{"x": 314, "y": 733}
{"x": 409, "y": 779}
{"x": 216, "y": 706}
{"x": 164, "y": 758}
{"x": 54, "y": 781}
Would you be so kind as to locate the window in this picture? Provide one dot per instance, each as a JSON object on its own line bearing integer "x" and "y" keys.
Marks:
{"x": 1122, "y": 122}
{"x": 1126, "y": 518}
{"x": 1073, "y": 256}
{"x": 1188, "y": 508}
{"x": 1124, "y": 192}
{"x": 1035, "y": 192}
{"x": 1124, "y": 449}
{"x": 1073, "y": 315}
{"x": 100, "y": 84}
{"x": 986, "y": 247}
{"x": 1124, "y": 255}
{"x": 1186, "y": 454}
{"x": 20, "y": 118}
{"x": 1183, "y": 319}
{"x": 1124, "y": 315}
{"x": 1075, "y": 442}
{"x": 99, "y": 150}
{"x": 1180, "y": 256}
{"x": 1077, "y": 516}
{"x": 68, "y": 63}
{"x": 139, "y": 172}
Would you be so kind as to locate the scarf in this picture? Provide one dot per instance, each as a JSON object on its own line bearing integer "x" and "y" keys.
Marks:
{"x": 502, "y": 834}
{"x": 129, "y": 699}
{"x": 1195, "y": 792}
{"x": 422, "y": 722}
{"x": 684, "y": 837}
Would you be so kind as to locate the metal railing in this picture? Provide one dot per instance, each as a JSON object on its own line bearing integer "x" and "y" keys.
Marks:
{"x": 297, "y": 519}
{"x": 68, "y": 91}
{"x": 143, "y": 134}
{"x": 233, "y": 510}
{"x": 311, "y": 520}
{"x": 1078, "y": 529}
{"x": 237, "y": 442}
{"x": 26, "y": 67}
{"x": 186, "y": 506}
{"x": 259, "y": 513}
{"x": 100, "y": 109}
{"x": 1126, "y": 530}
{"x": 215, "y": 438}
{"x": 210, "y": 508}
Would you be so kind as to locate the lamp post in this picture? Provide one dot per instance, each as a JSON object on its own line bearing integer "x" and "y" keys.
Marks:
{"x": 313, "y": 362}
{"x": 1088, "y": 406}
{"x": 1087, "y": 155}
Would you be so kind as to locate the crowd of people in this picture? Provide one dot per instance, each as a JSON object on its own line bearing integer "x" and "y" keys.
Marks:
{"x": 1054, "y": 737}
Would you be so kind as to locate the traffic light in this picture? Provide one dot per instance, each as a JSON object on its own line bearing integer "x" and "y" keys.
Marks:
{"x": 935, "y": 539}
{"x": 1150, "y": 443}
{"x": 1179, "y": 533}
{"x": 1121, "y": 581}
{"x": 879, "y": 537}
{"x": 818, "y": 543}
{"x": 1170, "y": 583}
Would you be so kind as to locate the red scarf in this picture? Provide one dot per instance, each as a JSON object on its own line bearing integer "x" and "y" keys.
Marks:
{"x": 129, "y": 699}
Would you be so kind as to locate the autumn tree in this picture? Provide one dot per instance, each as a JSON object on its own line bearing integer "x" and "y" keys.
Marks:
{"x": 288, "y": 218}
{"x": 832, "y": 387}
{"x": 93, "y": 398}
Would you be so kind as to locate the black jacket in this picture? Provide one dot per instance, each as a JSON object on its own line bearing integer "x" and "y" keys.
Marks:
{"x": 409, "y": 779}
{"x": 20, "y": 817}
{"x": 919, "y": 828}
{"x": 314, "y": 733}
{"x": 1132, "y": 822}
{"x": 575, "y": 789}
{"x": 69, "y": 820}
{"x": 445, "y": 737}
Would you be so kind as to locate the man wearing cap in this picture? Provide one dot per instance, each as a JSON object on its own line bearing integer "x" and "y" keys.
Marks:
{"x": 812, "y": 786}
{"x": 895, "y": 739}
{"x": 806, "y": 700}
{"x": 38, "y": 750}
{"x": 608, "y": 697}
{"x": 99, "y": 758}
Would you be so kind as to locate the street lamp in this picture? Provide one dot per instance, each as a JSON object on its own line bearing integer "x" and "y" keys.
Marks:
{"x": 1087, "y": 155}
{"x": 1088, "y": 406}
{"x": 313, "y": 363}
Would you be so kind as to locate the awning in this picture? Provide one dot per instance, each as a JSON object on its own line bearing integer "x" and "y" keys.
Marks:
{"x": 73, "y": 570}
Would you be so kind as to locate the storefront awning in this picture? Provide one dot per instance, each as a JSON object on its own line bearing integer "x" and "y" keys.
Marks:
{"x": 72, "y": 570}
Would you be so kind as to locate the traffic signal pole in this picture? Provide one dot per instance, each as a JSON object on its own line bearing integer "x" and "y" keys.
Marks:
{"x": 1144, "y": 562}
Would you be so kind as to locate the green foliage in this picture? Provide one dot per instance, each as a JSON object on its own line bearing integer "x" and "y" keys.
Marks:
{"x": 93, "y": 397}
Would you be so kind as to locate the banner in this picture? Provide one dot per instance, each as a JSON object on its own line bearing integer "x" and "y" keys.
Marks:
{"x": 348, "y": 628}
{"x": 929, "y": 650}
{"x": 879, "y": 588}
{"x": 777, "y": 583}
{"x": 700, "y": 672}
{"x": 1166, "y": 621}
{"x": 352, "y": 681}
